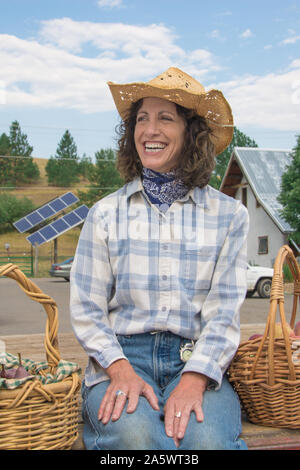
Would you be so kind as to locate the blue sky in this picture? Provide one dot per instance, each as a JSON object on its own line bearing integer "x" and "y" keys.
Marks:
{"x": 57, "y": 55}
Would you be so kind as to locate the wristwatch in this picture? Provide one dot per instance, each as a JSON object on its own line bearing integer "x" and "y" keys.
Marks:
{"x": 186, "y": 351}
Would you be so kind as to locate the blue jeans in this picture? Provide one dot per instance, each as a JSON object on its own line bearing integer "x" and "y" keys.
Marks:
{"x": 155, "y": 357}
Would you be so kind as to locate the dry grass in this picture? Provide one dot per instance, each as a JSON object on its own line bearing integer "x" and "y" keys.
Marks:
{"x": 40, "y": 193}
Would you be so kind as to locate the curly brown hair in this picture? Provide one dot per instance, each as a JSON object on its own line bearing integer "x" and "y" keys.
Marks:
{"x": 198, "y": 152}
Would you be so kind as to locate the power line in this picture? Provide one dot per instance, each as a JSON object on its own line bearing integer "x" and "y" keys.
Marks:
{"x": 58, "y": 159}
{"x": 62, "y": 128}
{"x": 55, "y": 188}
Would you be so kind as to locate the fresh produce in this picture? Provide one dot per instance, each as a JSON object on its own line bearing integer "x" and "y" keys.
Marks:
{"x": 255, "y": 336}
{"x": 7, "y": 373}
{"x": 297, "y": 329}
{"x": 21, "y": 372}
{"x": 14, "y": 373}
{"x": 293, "y": 333}
{"x": 279, "y": 332}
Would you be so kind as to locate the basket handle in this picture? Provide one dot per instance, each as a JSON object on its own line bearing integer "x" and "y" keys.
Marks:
{"x": 285, "y": 254}
{"x": 36, "y": 294}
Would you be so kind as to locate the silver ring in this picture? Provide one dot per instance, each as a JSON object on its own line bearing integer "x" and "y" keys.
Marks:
{"x": 178, "y": 414}
{"x": 120, "y": 392}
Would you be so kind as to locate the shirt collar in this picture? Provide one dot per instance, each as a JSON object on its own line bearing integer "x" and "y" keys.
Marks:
{"x": 198, "y": 195}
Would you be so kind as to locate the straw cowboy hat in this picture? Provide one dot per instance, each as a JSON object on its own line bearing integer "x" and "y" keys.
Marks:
{"x": 179, "y": 87}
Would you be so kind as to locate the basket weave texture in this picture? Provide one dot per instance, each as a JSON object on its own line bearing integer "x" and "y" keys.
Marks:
{"x": 265, "y": 372}
{"x": 38, "y": 416}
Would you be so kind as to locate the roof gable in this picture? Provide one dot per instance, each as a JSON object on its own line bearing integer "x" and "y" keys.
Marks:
{"x": 262, "y": 169}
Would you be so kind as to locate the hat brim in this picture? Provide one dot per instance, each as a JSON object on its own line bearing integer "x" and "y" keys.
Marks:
{"x": 211, "y": 105}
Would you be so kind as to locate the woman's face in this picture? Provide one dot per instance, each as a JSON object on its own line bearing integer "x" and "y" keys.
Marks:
{"x": 159, "y": 134}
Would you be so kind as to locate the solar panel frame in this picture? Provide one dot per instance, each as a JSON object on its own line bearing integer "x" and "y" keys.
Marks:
{"x": 54, "y": 206}
{"x": 40, "y": 236}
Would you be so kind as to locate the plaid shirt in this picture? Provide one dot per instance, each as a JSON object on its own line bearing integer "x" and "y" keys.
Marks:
{"x": 137, "y": 269}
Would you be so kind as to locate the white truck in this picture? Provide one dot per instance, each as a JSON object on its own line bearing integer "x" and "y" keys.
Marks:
{"x": 259, "y": 279}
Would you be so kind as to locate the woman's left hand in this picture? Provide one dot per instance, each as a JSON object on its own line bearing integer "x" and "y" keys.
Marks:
{"x": 184, "y": 399}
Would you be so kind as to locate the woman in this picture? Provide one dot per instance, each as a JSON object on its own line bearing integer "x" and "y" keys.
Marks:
{"x": 159, "y": 276}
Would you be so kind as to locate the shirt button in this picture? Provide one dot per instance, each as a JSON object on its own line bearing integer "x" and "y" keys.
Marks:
{"x": 165, "y": 247}
{"x": 165, "y": 277}
{"x": 164, "y": 308}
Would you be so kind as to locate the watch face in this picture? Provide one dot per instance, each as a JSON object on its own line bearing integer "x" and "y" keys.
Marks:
{"x": 186, "y": 351}
{"x": 186, "y": 355}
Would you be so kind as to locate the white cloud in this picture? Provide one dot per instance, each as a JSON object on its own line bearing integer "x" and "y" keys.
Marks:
{"x": 54, "y": 71}
{"x": 109, "y": 3}
{"x": 295, "y": 63}
{"x": 246, "y": 34}
{"x": 291, "y": 40}
{"x": 215, "y": 34}
{"x": 265, "y": 101}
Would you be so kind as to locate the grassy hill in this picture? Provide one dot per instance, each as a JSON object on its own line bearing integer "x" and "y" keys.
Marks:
{"x": 40, "y": 193}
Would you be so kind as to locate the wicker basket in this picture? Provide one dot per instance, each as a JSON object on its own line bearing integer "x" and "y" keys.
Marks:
{"x": 265, "y": 371}
{"x": 35, "y": 416}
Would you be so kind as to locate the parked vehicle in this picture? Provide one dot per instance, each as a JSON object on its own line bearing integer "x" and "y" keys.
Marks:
{"x": 259, "y": 279}
{"x": 62, "y": 269}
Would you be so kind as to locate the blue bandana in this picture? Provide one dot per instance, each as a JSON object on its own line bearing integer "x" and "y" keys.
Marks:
{"x": 163, "y": 189}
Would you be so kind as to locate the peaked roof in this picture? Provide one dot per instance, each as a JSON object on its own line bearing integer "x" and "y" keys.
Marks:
{"x": 262, "y": 169}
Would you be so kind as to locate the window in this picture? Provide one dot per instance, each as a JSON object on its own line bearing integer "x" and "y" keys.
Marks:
{"x": 263, "y": 245}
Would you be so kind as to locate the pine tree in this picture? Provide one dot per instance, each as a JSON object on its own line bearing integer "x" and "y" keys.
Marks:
{"x": 104, "y": 178}
{"x": 289, "y": 195}
{"x": 63, "y": 168}
{"x": 24, "y": 170}
{"x": 5, "y": 163}
{"x": 239, "y": 139}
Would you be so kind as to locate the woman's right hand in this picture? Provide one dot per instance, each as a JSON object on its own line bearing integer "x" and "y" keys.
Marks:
{"x": 123, "y": 377}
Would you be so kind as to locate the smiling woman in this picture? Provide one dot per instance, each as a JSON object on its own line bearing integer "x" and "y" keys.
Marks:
{"x": 157, "y": 307}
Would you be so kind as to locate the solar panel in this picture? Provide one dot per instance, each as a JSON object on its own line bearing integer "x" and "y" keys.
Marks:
{"x": 71, "y": 218}
{"x": 44, "y": 212}
{"x": 69, "y": 198}
{"x": 57, "y": 205}
{"x": 22, "y": 225}
{"x": 59, "y": 226}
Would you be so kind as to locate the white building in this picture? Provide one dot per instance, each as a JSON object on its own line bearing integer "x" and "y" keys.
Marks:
{"x": 254, "y": 175}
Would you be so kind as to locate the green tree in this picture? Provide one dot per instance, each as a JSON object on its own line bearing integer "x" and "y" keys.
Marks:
{"x": 24, "y": 170}
{"x": 85, "y": 166}
{"x": 4, "y": 144}
{"x": 239, "y": 139}
{"x": 104, "y": 178}
{"x": 289, "y": 195}
{"x": 5, "y": 163}
{"x": 12, "y": 209}
{"x": 62, "y": 169}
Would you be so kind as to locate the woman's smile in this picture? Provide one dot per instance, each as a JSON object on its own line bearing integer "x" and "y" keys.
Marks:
{"x": 154, "y": 147}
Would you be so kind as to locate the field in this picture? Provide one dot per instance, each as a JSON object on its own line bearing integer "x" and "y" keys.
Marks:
{"x": 40, "y": 193}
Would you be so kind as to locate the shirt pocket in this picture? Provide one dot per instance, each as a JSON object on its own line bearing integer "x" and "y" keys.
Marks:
{"x": 198, "y": 265}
